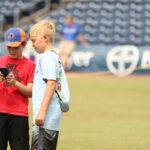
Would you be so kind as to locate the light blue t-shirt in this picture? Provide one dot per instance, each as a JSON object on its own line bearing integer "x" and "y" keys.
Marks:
{"x": 47, "y": 68}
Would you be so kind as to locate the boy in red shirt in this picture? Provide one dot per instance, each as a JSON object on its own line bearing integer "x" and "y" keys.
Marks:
{"x": 15, "y": 89}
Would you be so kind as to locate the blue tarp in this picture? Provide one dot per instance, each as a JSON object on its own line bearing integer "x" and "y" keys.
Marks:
{"x": 119, "y": 60}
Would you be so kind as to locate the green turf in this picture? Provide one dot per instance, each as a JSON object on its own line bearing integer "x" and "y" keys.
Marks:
{"x": 107, "y": 113}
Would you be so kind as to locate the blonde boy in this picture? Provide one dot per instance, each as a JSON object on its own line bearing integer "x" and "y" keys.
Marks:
{"x": 47, "y": 114}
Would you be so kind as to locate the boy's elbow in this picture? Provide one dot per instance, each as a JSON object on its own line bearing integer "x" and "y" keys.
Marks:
{"x": 29, "y": 90}
{"x": 30, "y": 94}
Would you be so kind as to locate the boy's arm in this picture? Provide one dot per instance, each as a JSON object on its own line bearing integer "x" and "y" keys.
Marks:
{"x": 25, "y": 90}
{"x": 49, "y": 91}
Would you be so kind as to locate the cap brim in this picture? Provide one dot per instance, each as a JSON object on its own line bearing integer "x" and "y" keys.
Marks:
{"x": 14, "y": 44}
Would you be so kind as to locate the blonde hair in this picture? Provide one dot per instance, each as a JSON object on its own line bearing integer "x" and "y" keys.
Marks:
{"x": 43, "y": 27}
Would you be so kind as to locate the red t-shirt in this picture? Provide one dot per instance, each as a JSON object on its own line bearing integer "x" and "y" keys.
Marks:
{"x": 12, "y": 101}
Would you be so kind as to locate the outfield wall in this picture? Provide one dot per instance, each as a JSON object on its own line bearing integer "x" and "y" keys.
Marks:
{"x": 118, "y": 60}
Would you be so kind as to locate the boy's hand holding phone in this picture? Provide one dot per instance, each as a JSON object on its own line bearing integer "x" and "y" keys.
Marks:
{"x": 1, "y": 77}
{"x": 4, "y": 71}
{"x": 5, "y": 74}
{"x": 11, "y": 78}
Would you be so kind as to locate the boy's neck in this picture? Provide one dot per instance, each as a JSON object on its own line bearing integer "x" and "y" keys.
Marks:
{"x": 21, "y": 57}
{"x": 48, "y": 47}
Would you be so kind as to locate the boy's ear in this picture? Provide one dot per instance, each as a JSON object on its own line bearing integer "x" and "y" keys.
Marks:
{"x": 24, "y": 43}
{"x": 46, "y": 37}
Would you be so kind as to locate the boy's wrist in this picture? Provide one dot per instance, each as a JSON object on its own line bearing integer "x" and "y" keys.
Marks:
{"x": 42, "y": 110}
{"x": 14, "y": 82}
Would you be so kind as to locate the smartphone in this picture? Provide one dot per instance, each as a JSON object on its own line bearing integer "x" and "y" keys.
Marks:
{"x": 5, "y": 71}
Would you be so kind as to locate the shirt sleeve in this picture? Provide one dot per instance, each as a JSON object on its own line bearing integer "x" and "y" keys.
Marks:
{"x": 31, "y": 73}
{"x": 48, "y": 66}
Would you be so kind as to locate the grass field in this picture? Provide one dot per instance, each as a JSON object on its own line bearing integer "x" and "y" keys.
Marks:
{"x": 107, "y": 113}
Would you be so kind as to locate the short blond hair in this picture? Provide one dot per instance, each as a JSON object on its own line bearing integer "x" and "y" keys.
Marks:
{"x": 43, "y": 27}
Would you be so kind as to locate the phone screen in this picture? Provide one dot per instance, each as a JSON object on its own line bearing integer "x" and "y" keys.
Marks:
{"x": 4, "y": 71}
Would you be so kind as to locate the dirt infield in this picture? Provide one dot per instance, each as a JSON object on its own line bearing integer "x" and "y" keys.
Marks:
{"x": 103, "y": 74}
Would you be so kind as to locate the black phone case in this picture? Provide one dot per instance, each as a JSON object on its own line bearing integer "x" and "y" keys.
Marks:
{"x": 4, "y": 71}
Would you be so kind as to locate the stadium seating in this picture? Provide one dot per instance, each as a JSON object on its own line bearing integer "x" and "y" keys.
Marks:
{"x": 9, "y": 9}
{"x": 108, "y": 22}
